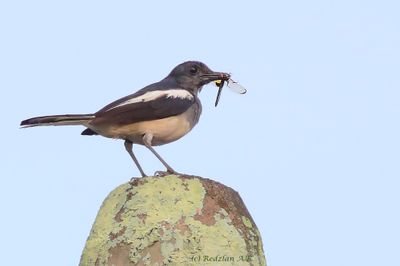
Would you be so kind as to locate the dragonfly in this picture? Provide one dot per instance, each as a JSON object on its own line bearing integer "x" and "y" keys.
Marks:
{"x": 233, "y": 85}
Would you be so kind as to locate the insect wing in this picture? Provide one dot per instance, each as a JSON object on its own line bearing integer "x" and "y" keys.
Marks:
{"x": 236, "y": 87}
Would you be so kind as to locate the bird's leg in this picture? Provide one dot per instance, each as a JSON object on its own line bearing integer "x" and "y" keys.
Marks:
{"x": 147, "y": 142}
{"x": 128, "y": 147}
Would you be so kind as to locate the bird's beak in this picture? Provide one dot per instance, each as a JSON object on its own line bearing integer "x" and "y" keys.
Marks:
{"x": 213, "y": 76}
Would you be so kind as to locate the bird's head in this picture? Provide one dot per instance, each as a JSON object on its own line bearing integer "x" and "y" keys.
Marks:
{"x": 192, "y": 75}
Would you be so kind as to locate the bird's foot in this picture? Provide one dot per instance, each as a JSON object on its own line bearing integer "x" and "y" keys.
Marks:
{"x": 134, "y": 179}
{"x": 165, "y": 173}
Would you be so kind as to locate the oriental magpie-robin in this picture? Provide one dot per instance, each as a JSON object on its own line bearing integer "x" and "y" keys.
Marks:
{"x": 155, "y": 115}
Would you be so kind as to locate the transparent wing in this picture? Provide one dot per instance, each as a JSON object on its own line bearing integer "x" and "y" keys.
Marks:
{"x": 236, "y": 87}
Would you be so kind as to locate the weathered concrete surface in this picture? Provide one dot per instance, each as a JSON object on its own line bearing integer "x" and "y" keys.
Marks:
{"x": 173, "y": 220}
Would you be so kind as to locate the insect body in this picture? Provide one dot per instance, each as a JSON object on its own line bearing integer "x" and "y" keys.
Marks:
{"x": 233, "y": 85}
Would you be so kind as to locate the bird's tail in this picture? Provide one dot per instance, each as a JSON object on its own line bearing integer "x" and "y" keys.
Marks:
{"x": 57, "y": 120}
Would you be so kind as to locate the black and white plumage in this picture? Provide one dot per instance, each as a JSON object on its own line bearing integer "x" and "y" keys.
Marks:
{"x": 155, "y": 115}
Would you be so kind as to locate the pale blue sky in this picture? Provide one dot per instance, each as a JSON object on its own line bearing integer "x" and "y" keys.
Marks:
{"x": 313, "y": 148}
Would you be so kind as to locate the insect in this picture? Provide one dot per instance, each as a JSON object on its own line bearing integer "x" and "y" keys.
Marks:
{"x": 233, "y": 85}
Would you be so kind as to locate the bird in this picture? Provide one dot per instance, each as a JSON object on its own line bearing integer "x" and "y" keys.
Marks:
{"x": 157, "y": 114}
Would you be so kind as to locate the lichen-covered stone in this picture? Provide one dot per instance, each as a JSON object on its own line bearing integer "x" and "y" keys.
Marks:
{"x": 173, "y": 220}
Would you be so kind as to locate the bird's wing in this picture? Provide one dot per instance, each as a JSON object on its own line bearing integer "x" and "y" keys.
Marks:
{"x": 145, "y": 106}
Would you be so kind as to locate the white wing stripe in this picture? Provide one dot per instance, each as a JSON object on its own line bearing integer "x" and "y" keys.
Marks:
{"x": 152, "y": 95}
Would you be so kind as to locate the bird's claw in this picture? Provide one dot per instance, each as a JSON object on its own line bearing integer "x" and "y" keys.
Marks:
{"x": 134, "y": 179}
{"x": 165, "y": 173}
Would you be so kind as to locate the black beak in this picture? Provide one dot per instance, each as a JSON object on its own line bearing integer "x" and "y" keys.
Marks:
{"x": 213, "y": 76}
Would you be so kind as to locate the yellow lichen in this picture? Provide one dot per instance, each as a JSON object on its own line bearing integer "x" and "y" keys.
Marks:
{"x": 247, "y": 222}
{"x": 159, "y": 212}
{"x": 95, "y": 245}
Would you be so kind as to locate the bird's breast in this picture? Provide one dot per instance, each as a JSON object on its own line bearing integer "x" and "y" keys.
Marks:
{"x": 163, "y": 130}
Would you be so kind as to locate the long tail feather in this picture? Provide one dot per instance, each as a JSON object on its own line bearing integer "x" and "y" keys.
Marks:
{"x": 57, "y": 120}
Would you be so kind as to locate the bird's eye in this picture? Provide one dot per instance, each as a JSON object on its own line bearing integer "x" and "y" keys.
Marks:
{"x": 194, "y": 69}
